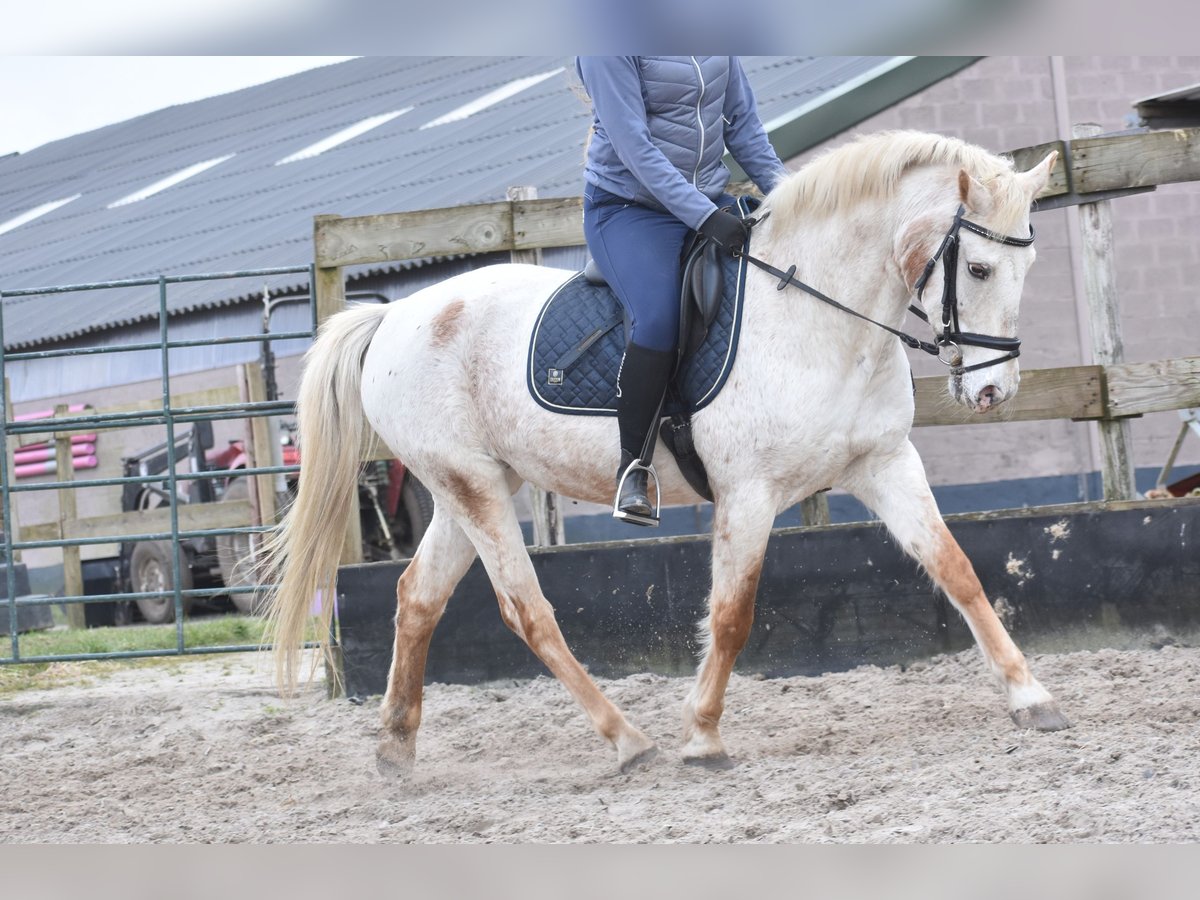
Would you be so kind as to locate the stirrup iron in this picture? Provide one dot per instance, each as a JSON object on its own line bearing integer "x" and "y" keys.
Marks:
{"x": 635, "y": 518}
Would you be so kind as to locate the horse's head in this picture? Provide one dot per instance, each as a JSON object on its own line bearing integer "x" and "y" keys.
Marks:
{"x": 965, "y": 256}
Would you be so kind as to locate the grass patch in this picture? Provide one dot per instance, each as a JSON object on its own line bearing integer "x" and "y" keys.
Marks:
{"x": 211, "y": 631}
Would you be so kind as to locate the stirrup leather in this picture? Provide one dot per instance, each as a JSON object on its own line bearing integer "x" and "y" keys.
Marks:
{"x": 635, "y": 518}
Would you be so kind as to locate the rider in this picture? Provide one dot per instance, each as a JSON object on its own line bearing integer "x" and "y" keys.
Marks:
{"x": 654, "y": 174}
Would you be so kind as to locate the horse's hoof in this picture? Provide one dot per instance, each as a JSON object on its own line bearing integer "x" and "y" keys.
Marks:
{"x": 718, "y": 762}
{"x": 393, "y": 771}
{"x": 394, "y": 763}
{"x": 1041, "y": 717}
{"x": 638, "y": 760}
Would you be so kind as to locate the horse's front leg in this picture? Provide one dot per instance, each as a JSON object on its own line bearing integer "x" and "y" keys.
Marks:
{"x": 895, "y": 487}
{"x": 741, "y": 527}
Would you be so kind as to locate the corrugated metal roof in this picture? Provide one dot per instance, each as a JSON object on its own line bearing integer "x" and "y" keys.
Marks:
{"x": 247, "y": 212}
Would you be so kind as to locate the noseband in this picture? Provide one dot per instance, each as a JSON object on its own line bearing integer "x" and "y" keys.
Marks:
{"x": 950, "y": 339}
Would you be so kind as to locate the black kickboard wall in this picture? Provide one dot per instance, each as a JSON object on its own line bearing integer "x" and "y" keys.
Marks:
{"x": 829, "y": 599}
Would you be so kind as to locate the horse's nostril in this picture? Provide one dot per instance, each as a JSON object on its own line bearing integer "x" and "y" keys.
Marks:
{"x": 989, "y": 396}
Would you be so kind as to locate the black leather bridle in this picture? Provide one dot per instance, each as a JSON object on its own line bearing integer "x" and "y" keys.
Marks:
{"x": 953, "y": 339}
{"x": 950, "y": 339}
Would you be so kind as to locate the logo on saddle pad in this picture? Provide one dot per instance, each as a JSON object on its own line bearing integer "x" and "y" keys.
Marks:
{"x": 579, "y": 338}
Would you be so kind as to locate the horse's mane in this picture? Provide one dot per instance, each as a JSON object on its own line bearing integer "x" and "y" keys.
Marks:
{"x": 872, "y": 165}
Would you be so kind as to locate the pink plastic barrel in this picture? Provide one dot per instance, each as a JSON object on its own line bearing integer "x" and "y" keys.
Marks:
{"x": 40, "y": 454}
{"x": 50, "y": 466}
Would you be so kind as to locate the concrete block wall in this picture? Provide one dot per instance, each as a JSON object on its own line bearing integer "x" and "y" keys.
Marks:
{"x": 1003, "y": 103}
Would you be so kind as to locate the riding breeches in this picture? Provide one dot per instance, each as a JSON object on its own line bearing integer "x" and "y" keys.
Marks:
{"x": 637, "y": 249}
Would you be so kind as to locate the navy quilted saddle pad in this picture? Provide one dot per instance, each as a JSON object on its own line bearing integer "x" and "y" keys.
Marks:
{"x": 587, "y": 385}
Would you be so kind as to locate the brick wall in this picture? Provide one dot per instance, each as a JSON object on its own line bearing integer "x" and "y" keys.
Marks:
{"x": 1004, "y": 103}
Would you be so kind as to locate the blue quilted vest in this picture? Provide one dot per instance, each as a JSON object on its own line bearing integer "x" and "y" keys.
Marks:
{"x": 684, "y": 98}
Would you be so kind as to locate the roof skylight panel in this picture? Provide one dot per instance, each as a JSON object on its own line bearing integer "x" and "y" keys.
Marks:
{"x": 491, "y": 98}
{"x": 170, "y": 181}
{"x": 341, "y": 137}
{"x": 31, "y": 214}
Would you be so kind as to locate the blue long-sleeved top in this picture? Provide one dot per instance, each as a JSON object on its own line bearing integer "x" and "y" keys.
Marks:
{"x": 662, "y": 125}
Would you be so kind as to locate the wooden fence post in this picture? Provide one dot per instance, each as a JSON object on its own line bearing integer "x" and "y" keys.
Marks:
{"x": 548, "y": 526}
{"x": 814, "y": 510}
{"x": 1099, "y": 271}
{"x": 252, "y": 389}
{"x": 9, "y": 451}
{"x": 68, "y": 512}
{"x": 329, "y": 293}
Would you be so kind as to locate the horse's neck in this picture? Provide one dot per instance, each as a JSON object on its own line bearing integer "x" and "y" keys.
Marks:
{"x": 850, "y": 258}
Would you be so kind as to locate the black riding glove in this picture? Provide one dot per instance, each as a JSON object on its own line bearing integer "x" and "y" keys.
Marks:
{"x": 726, "y": 229}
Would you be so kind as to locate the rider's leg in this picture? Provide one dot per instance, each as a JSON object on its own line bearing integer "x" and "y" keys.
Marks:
{"x": 638, "y": 249}
{"x": 641, "y": 385}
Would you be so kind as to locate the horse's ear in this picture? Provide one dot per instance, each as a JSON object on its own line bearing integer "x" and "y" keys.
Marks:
{"x": 974, "y": 196}
{"x": 1038, "y": 177}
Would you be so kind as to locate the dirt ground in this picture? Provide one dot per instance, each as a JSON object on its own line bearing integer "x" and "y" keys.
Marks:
{"x": 203, "y": 750}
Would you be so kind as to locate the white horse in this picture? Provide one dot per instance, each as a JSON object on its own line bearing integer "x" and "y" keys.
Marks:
{"x": 816, "y": 398}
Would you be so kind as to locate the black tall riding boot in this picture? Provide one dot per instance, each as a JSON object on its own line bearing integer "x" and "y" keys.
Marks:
{"x": 641, "y": 385}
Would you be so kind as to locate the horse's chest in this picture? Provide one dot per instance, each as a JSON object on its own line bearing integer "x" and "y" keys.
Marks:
{"x": 831, "y": 429}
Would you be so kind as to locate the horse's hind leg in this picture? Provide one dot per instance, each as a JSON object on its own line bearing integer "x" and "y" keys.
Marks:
{"x": 741, "y": 528}
{"x": 440, "y": 562}
{"x": 479, "y": 498}
{"x": 896, "y": 488}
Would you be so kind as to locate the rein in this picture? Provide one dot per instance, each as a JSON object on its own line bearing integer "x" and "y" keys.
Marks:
{"x": 949, "y": 339}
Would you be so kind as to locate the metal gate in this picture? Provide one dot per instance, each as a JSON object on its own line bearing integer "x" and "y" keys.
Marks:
{"x": 166, "y": 415}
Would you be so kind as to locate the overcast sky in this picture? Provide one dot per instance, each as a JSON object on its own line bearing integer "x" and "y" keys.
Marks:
{"x": 44, "y": 98}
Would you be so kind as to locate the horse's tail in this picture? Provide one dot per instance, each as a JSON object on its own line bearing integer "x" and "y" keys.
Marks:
{"x": 301, "y": 557}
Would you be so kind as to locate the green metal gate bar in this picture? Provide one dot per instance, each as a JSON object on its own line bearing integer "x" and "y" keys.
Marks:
{"x": 167, "y": 416}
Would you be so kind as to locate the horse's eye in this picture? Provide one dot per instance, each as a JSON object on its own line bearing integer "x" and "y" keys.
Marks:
{"x": 979, "y": 270}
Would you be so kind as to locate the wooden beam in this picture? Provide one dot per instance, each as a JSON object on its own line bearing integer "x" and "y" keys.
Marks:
{"x": 479, "y": 228}
{"x": 529, "y": 251}
{"x": 1026, "y": 158}
{"x": 1135, "y": 160}
{"x": 329, "y": 293}
{"x": 332, "y": 234}
{"x": 259, "y": 433}
{"x": 1135, "y": 389}
{"x": 814, "y": 510}
{"x": 548, "y": 223}
{"x": 210, "y": 397}
{"x": 192, "y": 517}
{"x": 1114, "y": 165}
{"x": 1100, "y": 282}
{"x": 67, "y": 512}
{"x": 13, "y": 527}
{"x": 1074, "y": 392}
